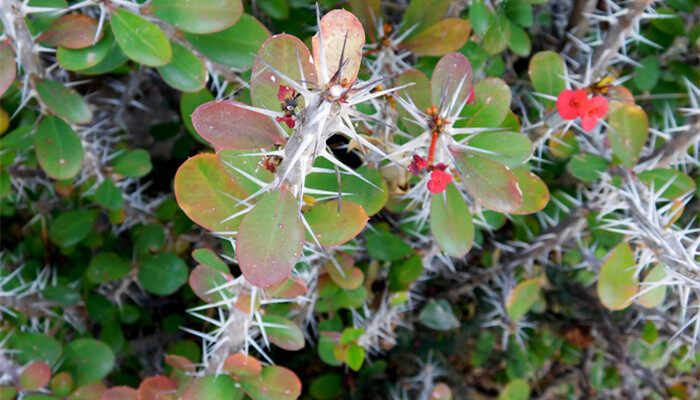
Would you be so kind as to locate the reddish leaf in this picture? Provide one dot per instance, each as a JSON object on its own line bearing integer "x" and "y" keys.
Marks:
{"x": 286, "y": 54}
{"x": 447, "y": 35}
{"x": 226, "y": 125}
{"x": 283, "y": 332}
{"x": 8, "y": 67}
{"x": 157, "y": 388}
{"x": 120, "y": 393}
{"x": 72, "y": 31}
{"x": 204, "y": 191}
{"x": 290, "y": 288}
{"x": 348, "y": 277}
{"x": 275, "y": 383}
{"x": 335, "y": 27}
{"x": 203, "y": 279}
{"x": 35, "y": 376}
{"x": 535, "y": 192}
{"x": 180, "y": 362}
{"x": 242, "y": 366}
{"x": 270, "y": 239}
{"x": 332, "y": 227}
{"x": 451, "y": 73}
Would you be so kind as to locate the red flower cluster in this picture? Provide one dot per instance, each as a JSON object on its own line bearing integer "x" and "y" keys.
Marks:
{"x": 438, "y": 177}
{"x": 573, "y": 104}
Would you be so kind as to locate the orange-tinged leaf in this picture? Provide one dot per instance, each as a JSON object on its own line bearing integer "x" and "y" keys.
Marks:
{"x": 447, "y": 35}
{"x": 617, "y": 281}
{"x": 535, "y": 192}
{"x": 452, "y": 80}
{"x": 243, "y": 366}
{"x": 157, "y": 388}
{"x": 332, "y": 226}
{"x": 336, "y": 26}
{"x": 35, "y": 376}
{"x": 120, "y": 393}
{"x": 72, "y": 31}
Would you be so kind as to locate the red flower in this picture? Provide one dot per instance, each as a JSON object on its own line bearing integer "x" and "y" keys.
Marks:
{"x": 285, "y": 93}
{"x": 596, "y": 108}
{"x": 438, "y": 181}
{"x": 288, "y": 119}
{"x": 417, "y": 165}
{"x": 571, "y": 104}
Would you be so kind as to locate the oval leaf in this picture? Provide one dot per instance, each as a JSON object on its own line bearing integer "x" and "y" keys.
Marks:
{"x": 617, "y": 282}
{"x": 283, "y": 332}
{"x": 344, "y": 273}
{"x": 653, "y": 291}
{"x": 72, "y": 31}
{"x": 629, "y": 128}
{"x": 522, "y": 298}
{"x": 87, "y": 360}
{"x": 198, "y": 16}
{"x": 342, "y": 34}
{"x": 451, "y": 222}
{"x": 157, "y": 388}
{"x": 270, "y": 239}
{"x": 447, "y": 35}
{"x": 204, "y": 279}
{"x": 491, "y": 104}
{"x": 120, "y": 393}
{"x": 35, "y": 376}
{"x": 674, "y": 183}
{"x": 185, "y": 72}
{"x": 290, "y": 288}
{"x": 493, "y": 185}
{"x": 452, "y": 81}
{"x": 242, "y": 366}
{"x": 8, "y": 66}
{"x": 58, "y": 148}
{"x": 64, "y": 101}
{"x": 240, "y": 165}
{"x": 274, "y": 383}
{"x": 438, "y": 315}
{"x": 162, "y": 273}
{"x": 141, "y": 40}
{"x": 227, "y": 126}
{"x": 107, "y": 267}
{"x": 546, "y": 71}
{"x": 212, "y": 387}
{"x": 512, "y": 149}
{"x": 71, "y": 227}
{"x": 535, "y": 192}
{"x": 332, "y": 225}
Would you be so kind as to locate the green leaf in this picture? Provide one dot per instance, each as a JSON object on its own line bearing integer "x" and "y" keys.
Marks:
{"x": 438, "y": 315}
{"x": 480, "y": 17}
{"x": 274, "y": 383}
{"x": 326, "y": 387}
{"x": 402, "y": 274}
{"x": 206, "y": 194}
{"x": 162, "y": 273}
{"x": 446, "y": 36}
{"x": 133, "y": 163}
{"x": 115, "y": 57}
{"x": 270, "y": 239}
{"x": 64, "y": 101}
{"x": 546, "y": 71}
{"x": 420, "y": 93}
{"x": 345, "y": 274}
{"x": 493, "y": 185}
{"x": 617, "y": 282}
{"x": 453, "y": 72}
{"x": 534, "y": 190}
{"x": 629, "y": 129}
{"x": 386, "y": 246}
{"x": 679, "y": 184}
{"x": 371, "y": 198}
{"x": 522, "y": 298}
{"x": 647, "y": 73}
{"x": 333, "y": 225}
{"x": 238, "y": 163}
{"x": 58, "y": 148}
{"x": 203, "y": 280}
{"x": 87, "y": 360}
{"x": 107, "y": 267}
{"x": 77, "y": 59}
{"x": 654, "y": 297}
{"x": 496, "y": 37}
{"x": 423, "y": 13}
{"x": 283, "y": 332}
{"x": 141, "y": 40}
{"x": 451, "y": 222}
{"x": 148, "y": 237}
{"x": 513, "y": 149}
{"x": 8, "y": 66}
{"x": 491, "y": 104}
{"x": 235, "y": 46}
{"x": 188, "y": 103}
{"x": 32, "y": 346}
{"x": 71, "y": 227}
{"x": 587, "y": 167}
{"x": 516, "y": 389}
{"x": 276, "y": 9}
{"x": 198, "y": 16}
{"x": 109, "y": 195}
{"x": 519, "y": 11}
{"x": 519, "y": 41}
{"x": 212, "y": 387}
{"x": 355, "y": 357}
{"x": 185, "y": 72}
{"x": 210, "y": 259}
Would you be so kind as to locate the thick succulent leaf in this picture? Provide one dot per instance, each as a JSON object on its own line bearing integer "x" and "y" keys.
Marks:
{"x": 115, "y": 57}
{"x": 629, "y": 128}
{"x": 157, "y": 387}
{"x": 35, "y": 376}
{"x": 451, "y": 222}
{"x": 203, "y": 279}
{"x": 522, "y": 298}
{"x": 587, "y": 166}
{"x": 496, "y": 37}
{"x": 8, "y": 66}
{"x": 677, "y": 183}
{"x": 206, "y": 194}
{"x": 447, "y": 35}
{"x": 274, "y": 383}
{"x": 546, "y": 71}
{"x": 283, "y": 332}
{"x": 491, "y": 104}
{"x": 64, "y": 101}
{"x": 162, "y": 273}
{"x": 198, "y": 16}
{"x": 141, "y": 40}
{"x": 617, "y": 282}
{"x": 421, "y": 14}
{"x": 654, "y": 297}
{"x": 453, "y": 72}
{"x": 534, "y": 190}
{"x": 235, "y": 46}
{"x": 242, "y": 366}
{"x": 339, "y": 29}
{"x": 438, "y": 315}
{"x": 73, "y": 31}
{"x": 185, "y": 72}
{"x": 234, "y": 161}
{"x": 87, "y": 360}
{"x": 371, "y": 198}
{"x": 419, "y": 93}
{"x": 348, "y": 277}
{"x": 212, "y": 387}
{"x": 58, "y": 148}
{"x": 492, "y": 184}
{"x": 513, "y": 148}
{"x": 270, "y": 239}
{"x": 332, "y": 225}
{"x": 290, "y": 288}
{"x": 208, "y": 258}
{"x": 107, "y": 267}
{"x": 286, "y": 54}
{"x": 226, "y": 125}
{"x": 120, "y": 393}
